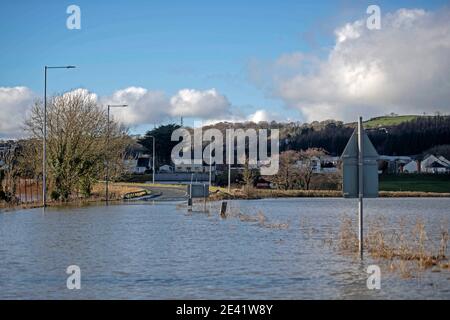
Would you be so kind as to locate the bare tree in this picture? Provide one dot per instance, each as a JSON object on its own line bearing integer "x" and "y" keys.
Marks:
{"x": 248, "y": 176}
{"x": 76, "y": 141}
{"x": 308, "y": 159}
{"x": 288, "y": 173}
{"x": 10, "y": 173}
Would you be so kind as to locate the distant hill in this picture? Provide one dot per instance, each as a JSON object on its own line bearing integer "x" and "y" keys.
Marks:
{"x": 386, "y": 121}
{"x": 389, "y": 121}
{"x": 391, "y": 135}
{"x": 404, "y": 135}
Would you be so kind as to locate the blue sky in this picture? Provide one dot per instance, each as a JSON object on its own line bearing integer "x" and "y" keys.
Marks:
{"x": 170, "y": 45}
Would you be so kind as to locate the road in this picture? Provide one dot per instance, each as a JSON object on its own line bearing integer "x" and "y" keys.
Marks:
{"x": 167, "y": 193}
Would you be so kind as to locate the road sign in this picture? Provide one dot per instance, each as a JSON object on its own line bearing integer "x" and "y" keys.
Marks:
{"x": 198, "y": 190}
{"x": 350, "y": 163}
{"x": 360, "y": 173}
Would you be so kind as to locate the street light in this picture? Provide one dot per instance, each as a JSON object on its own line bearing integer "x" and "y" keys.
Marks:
{"x": 44, "y": 138}
{"x": 107, "y": 146}
{"x": 153, "y": 159}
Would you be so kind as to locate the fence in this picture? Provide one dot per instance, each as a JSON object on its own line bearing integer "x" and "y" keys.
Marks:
{"x": 22, "y": 191}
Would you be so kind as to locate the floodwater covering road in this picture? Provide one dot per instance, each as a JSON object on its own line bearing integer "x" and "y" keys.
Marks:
{"x": 166, "y": 193}
{"x": 159, "y": 250}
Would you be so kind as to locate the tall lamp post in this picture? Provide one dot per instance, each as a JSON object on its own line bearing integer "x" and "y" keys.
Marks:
{"x": 107, "y": 147}
{"x": 44, "y": 137}
{"x": 153, "y": 160}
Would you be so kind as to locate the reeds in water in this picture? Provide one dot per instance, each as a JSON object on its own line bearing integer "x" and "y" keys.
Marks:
{"x": 407, "y": 248}
{"x": 260, "y": 219}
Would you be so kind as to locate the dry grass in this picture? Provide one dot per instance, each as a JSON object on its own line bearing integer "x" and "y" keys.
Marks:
{"x": 348, "y": 239}
{"x": 9, "y": 207}
{"x": 223, "y": 194}
{"x": 259, "y": 218}
{"x": 407, "y": 249}
{"x": 116, "y": 190}
{"x": 406, "y": 268}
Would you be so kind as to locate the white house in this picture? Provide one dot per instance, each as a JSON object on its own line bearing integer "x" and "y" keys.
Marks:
{"x": 138, "y": 165}
{"x": 411, "y": 167}
{"x": 432, "y": 164}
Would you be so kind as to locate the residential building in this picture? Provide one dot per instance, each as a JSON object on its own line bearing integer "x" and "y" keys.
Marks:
{"x": 393, "y": 164}
{"x": 139, "y": 164}
{"x": 433, "y": 164}
{"x": 412, "y": 167}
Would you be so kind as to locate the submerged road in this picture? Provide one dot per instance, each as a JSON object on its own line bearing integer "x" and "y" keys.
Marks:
{"x": 169, "y": 193}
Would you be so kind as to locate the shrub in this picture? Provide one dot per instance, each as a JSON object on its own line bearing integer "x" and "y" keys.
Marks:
{"x": 54, "y": 195}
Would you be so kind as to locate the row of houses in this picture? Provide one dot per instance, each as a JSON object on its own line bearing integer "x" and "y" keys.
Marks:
{"x": 143, "y": 164}
{"x": 430, "y": 164}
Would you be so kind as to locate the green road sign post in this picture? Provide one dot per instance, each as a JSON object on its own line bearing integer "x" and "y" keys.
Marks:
{"x": 360, "y": 172}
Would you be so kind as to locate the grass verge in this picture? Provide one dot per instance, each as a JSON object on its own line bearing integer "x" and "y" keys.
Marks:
{"x": 435, "y": 183}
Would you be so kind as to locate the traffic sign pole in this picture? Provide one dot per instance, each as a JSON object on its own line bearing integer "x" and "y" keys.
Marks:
{"x": 360, "y": 173}
{"x": 360, "y": 183}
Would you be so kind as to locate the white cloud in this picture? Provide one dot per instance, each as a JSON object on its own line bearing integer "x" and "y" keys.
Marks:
{"x": 259, "y": 115}
{"x": 402, "y": 68}
{"x": 349, "y": 31}
{"x": 200, "y": 104}
{"x": 144, "y": 106}
{"x": 81, "y": 91}
{"x": 147, "y": 106}
{"x": 268, "y": 116}
{"x": 14, "y": 103}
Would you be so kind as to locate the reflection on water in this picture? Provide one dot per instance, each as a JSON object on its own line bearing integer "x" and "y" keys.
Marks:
{"x": 159, "y": 251}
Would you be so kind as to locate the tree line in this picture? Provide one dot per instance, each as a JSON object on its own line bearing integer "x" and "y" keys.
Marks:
{"x": 412, "y": 137}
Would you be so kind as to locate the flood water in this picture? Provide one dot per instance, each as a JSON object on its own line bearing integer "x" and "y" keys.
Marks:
{"x": 160, "y": 251}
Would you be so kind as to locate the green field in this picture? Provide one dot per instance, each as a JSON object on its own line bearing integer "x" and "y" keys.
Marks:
{"x": 385, "y": 121}
{"x": 415, "y": 182}
{"x": 388, "y": 121}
